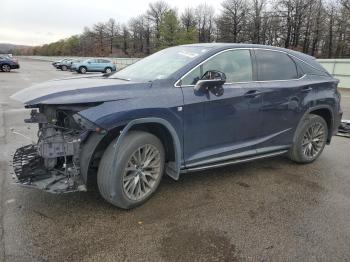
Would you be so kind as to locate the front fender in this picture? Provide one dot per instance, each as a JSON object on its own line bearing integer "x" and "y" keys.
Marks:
{"x": 173, "y": 170}
{"x": 92, "y": 145}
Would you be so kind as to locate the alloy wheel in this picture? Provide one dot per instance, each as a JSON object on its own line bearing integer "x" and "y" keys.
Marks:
{"x": 6, "y": 68}
{"x": 142, "y": 172}
{"x": 313, "y": 140}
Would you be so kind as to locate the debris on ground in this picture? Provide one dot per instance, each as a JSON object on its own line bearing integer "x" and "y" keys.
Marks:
{"x": 344, "y": 128}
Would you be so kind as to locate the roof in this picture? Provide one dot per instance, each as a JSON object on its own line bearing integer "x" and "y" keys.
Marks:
{"x": 220, "y": 46}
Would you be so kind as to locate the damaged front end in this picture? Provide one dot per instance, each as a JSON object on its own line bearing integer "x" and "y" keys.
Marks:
{"x": 53, "y": 164}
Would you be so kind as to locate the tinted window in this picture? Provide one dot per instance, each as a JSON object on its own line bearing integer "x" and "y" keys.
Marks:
{"x": 307, "y": 69}
{"x": 275, "y": 66}
{"x": 236, "y": 65}
{"x": 104, "y": 61}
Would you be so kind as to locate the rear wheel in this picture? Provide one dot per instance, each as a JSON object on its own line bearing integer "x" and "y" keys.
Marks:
{"x": 108, "y": 70}
{"x": 6, "y": 68}
{"x": 82, "y": 70}
{"x": 137, "y": 171}
{"x": 310, "y": 139}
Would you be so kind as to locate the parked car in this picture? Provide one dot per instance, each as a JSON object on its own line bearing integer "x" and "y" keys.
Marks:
{"x": 94, "y": 65}
{"x": 7, "y": 63}
{"x": 7, "y": 55}
{"x": 55, "y": 63}
{"x": 66, "y": 64}
{"x": 185, "y": 108}
{"x": 72, "y": 66}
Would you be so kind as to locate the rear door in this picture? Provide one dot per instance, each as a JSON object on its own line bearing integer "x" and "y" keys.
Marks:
{"x": 93, "y": 65}
{"x": 102, "y": 64}
{"x": 222, "y": 123}
{"x": 284, "y": 89}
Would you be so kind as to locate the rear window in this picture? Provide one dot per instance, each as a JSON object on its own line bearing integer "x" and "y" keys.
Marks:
{"x": 274, "y": 65}
{"x": 310, "y": 70}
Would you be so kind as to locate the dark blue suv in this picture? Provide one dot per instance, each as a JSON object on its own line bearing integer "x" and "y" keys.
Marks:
{"x": 185, "y": 108}
{"x": 7, "y": 63}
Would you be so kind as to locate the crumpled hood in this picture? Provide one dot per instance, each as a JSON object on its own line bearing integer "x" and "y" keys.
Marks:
{"x": 78, "y": 90}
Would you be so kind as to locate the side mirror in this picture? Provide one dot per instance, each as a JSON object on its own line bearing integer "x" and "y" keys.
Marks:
{"x": 210, "y": 79}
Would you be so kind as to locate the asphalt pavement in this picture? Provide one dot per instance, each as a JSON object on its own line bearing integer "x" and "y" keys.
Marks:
{"x": 268, "y": 210}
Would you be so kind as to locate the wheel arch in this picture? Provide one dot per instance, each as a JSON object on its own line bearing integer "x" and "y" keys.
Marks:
{"x": 326, "y": 112}
{"x": 96, "y": 144}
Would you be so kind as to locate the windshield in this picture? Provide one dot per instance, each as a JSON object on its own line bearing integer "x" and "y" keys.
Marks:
{"x": 161, "y": 64}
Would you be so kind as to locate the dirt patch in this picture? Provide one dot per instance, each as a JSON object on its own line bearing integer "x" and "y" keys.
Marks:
{"x": 195, "y": 245}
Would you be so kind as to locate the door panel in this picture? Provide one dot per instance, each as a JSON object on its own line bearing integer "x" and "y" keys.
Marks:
{"x": 282, "y": 107}
{"x": 94, "y": 65}
{"x": 222, "y": 122}
{"x": 217, "y": 126}
{"x": 284, "y": 92}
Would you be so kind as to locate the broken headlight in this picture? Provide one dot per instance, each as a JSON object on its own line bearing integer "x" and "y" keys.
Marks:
{"x": 87, "y": 125}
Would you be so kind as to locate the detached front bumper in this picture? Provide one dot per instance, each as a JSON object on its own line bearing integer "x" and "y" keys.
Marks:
{"x": 30, "y": 172}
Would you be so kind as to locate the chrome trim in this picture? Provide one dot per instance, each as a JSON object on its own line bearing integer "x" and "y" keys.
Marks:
{"x": 243, "y": 48}
{"x": 236, "y": 161}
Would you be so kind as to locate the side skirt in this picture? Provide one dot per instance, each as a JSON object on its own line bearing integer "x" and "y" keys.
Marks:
{"x": 233, "y": 161}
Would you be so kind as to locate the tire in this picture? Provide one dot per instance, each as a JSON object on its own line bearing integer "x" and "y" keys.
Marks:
{"x": 6, "y": 68}
{"x": 108, "y": 70}
{"x": 309, "y": 140}
{"x": 82, "y": 70}
{"x": 130, "y": 178}
{"x": 64, "y": 68}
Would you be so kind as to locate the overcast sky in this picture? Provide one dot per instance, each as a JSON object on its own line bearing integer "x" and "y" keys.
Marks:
{"x": 35, "y": 22}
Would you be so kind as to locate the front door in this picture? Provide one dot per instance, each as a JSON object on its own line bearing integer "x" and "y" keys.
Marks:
{"x": 221, "y": 123}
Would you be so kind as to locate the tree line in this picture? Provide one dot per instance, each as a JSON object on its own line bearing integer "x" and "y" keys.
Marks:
{"x": 320, "y": 28}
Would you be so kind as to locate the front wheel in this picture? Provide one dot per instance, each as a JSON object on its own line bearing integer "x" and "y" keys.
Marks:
{"x": 131, "y": 179}
{"x": 64, "y": 68}
{"x": 310, "y": 139}
{"x": 6, "y": 68}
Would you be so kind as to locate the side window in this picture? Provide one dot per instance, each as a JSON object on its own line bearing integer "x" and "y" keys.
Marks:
{"x": 236, "y": 64}
{"x": 274, "y": 65}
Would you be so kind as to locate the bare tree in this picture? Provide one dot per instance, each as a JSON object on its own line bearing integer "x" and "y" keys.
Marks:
{"x": 318, "y": 27}
{"x": 233, "y": 20}
{"x": 112, "y": 31}
{"x": 99, "y": 32}
{"x": 155, "y": 13}
{"x": 204, "y": 15}
{"x": 256, "y": 19}
{"x": 188, "y": 19}
{"x": 346, "y": 4}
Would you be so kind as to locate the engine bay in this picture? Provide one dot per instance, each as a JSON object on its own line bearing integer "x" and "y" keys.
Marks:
{"x": 53, "y": 163}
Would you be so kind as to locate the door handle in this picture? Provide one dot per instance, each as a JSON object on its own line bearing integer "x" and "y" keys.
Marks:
{"x": 306, "y": 89}
{"x": 252, "y": 93}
